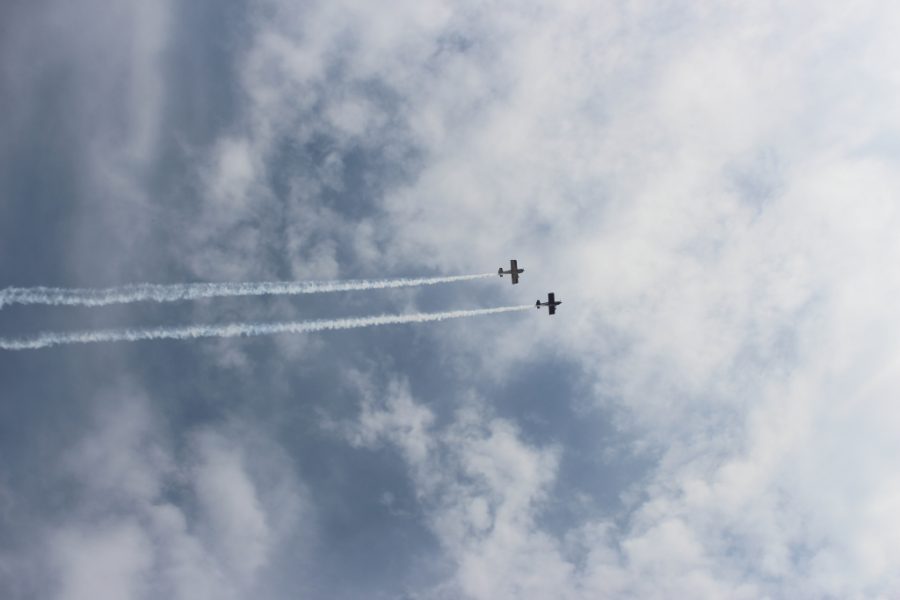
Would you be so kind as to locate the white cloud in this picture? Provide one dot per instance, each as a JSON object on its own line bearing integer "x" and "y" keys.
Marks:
{"x": 108, "y": 562}
{"x": 227, "y": 496}
{"x": 481, "y": 488}
{"x": 707, "y": 188}
{"x": 149, "y": 521}
{"x": 401, "y": 421}
{"x": 711, "y": 189}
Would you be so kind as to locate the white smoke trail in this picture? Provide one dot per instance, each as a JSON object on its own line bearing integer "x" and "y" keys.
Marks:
{"x": 191, "y": 291}
{"x": 43, "y": 340}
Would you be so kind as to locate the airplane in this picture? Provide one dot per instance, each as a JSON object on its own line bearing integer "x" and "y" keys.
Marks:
{"x": 514, "y": 270}
{"x": 551, "y": 303}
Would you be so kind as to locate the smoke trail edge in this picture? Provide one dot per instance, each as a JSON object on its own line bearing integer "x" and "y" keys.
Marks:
{"x": 142, "y": 292}
{"x": 48, "y": 339}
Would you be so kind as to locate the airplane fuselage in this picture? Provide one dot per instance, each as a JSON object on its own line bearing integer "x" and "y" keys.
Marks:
{"x": 513, "y": 271}
{"x": 539, "y": 304}
{"x": 551, "y": 303}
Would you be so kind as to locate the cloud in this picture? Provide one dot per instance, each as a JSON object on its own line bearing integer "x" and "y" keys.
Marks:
{"x": 700, "y": 185}
{"x": 148, "y": 520}
{"x": 104, "y": 563}
{"x": 709, "y": 187}
{"x": 480, "y": 489}
{"x": 235, "y": 519}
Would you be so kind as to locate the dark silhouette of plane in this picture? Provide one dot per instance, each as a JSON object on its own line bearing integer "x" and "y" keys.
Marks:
{"x": 514, "y": 270}
{"x": 551, "y": 303}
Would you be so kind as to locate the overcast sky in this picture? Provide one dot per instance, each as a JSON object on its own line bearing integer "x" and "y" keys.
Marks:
{"x": 712, "y": 188}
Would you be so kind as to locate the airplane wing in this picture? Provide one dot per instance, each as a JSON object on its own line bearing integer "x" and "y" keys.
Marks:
{"x": 551, "y": 298}
{"x": 515, "y": 276}
{"x": 514, "y": 270}
{"x": 552, "y": 308}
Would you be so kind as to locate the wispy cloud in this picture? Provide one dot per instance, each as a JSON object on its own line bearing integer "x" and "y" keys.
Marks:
{"x": 717, "y": 321}
{"x": 125, "y": 535}
{"x": 715, "y": 184}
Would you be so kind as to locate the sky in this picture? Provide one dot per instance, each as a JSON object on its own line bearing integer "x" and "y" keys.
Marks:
{"x": 710, "y": 187}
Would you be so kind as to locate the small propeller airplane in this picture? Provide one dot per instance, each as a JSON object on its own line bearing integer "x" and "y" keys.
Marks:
{"x": 514, "y": 271}
{"x": 551, "y": 303}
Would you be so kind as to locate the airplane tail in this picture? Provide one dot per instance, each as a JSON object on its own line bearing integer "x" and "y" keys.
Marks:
{"x": 537, "y": 304}
{"x": 500, "y": 271}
